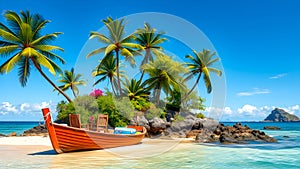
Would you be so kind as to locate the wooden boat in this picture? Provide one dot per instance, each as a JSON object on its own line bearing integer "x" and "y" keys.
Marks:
{"x": 67, "y": 139}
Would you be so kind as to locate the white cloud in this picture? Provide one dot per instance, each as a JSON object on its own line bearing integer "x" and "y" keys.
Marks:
{"x": 255, "y": 91}
{"x": 247, "y": 109}
{"x": 7, "y": 108}
{"x": 252, "y": 113}
{"x": 227, "y": 110}
{"x": 278, "y": 76}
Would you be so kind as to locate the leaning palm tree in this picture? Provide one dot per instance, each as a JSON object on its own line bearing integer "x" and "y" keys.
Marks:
{"x": 164, "y": 74}
{"x": 201, "y": 63}
{"x": 71, "y": 80}
{"x": 22, "y": 41}
{"x": 135, "y": 89}
{"x": 150, "y": 40}
{"x": 117, "y": 43}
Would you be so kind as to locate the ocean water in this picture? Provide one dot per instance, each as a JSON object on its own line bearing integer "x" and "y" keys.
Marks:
{"x": 284, "y": 154}
{"x": 19, "y": 127}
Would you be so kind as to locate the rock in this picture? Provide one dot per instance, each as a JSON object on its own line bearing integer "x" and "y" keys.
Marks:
{"x": 209, "y": 123}
{"x": 142, "y": 121}
{"x": 271, "y": 128}
{"x": 279, "y": 115}
{"x": 39, "y": 130}
{"x": 12, "y": 134}
{"x": 157, "y": 125}
{"x": 205, "y": 137}
{"x": 2, "y": 135}
{"x": 227, "y": 139}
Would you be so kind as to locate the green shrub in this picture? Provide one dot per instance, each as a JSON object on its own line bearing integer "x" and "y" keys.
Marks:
{"x": 141, "y": 104}
{"x": 152, "y": 112}
{"x": 119, "y": 111}
{"x": 178, "y": 118}
{"x": 200, "y": 115}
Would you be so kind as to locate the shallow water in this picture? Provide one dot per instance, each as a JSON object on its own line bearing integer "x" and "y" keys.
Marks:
{"x": 155, "y": 154}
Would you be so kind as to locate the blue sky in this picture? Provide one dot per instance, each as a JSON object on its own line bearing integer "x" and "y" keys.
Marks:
{"x": 257, "y": 41}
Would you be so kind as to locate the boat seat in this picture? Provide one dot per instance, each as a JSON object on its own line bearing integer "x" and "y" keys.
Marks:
{"x": 74, "y": 120}
{"x": 102, "y": 123}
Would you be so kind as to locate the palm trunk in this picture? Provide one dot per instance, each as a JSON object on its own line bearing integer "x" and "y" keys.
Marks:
{"x": 147, "y": 55}
{"x": 112, "y": 86}
{"x": 197, "y": 81}
{"x": 43, "y": 74}
{"x": 75, "y": 95}
{"x": 158, "y": 96}
{"x": 118, "y": 72}
{"x": 141, "y": 78}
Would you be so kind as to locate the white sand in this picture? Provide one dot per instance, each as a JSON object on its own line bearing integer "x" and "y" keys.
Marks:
{"x": 26, "y": 140}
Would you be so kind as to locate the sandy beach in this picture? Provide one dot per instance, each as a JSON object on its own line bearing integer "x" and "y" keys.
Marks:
{"x": 16, "y": 151}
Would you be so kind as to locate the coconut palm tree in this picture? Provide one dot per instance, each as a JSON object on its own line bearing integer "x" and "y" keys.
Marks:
{"x": 150, "y": 40}
{"x": 25, "y": 45}
{"x": 136, "y": 89}
{"x": 117, "y": 43}
{"x": 107, "y": 70}
{"x": 164, "y": 74}
{"x": 201, "y": 63}
{"x": 71, "y": 81}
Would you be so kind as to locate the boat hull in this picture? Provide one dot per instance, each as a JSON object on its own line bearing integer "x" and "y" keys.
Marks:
{"x": 68, "y": 139}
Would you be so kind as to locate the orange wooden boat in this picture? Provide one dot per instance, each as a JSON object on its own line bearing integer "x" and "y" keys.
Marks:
{"x": 68, "y": 139}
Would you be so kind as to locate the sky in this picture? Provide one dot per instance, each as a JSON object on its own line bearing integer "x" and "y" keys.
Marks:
{"x": 257, "y": 41}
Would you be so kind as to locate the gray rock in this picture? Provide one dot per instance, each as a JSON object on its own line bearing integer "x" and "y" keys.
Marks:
{"x": 142, "y": 121}
{"x": 157, "y": 125}
{"x": 2, "y": 135}
{"x": 271, "y": 128}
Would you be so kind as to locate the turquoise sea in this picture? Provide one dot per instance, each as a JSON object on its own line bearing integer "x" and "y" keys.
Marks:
{"x": 284, "y": 154}
{"x": 19, "y": 127}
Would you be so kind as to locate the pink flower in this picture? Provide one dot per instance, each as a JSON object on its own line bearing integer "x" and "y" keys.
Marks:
{"x": 96, "y": 93}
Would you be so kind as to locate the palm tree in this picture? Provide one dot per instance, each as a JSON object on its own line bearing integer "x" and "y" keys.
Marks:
{"x": 24, "y": 43}
{"x": 71, "y": 81}
{"x": 135, "y": 89}
{"x": 164, "y": 74}
{"x": 201, "y": 63}
{"x": 116, "y": 42}
{"x": 147, "y": 38}
{"x": 107, "y": 69}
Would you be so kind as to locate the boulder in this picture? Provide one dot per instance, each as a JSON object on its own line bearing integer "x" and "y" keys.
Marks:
{"x": 271, "y": 128}
{"x": 157, "y": 125}
{"x": 12, "y": 134}
{"x": 2, "y": 135}
{"x": 39, "y": 130}
{"x": 142, "y": 121}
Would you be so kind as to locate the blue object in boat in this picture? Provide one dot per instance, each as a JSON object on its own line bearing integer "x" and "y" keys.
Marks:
{"x": 124, "y": 130}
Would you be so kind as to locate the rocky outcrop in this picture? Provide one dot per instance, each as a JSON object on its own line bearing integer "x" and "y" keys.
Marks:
{"x": 279, "y": 115}
{"x": 40, "y": 130}
{"x": 12, "y": 134}
{"x": 271, "y": 128}
{"x": 205, "y": 130}
{"x": 240, "y": 134}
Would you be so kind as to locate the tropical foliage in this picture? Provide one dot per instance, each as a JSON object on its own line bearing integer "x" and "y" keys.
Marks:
{"x": 163, "y": 79}
{"x": 71, "y": 80}
{"x": 201, "y": 63}
{"x": 107, "y": 70}
{"x": 164, "y": 74}
{"x": 151, "y": 41}
{"x": 24, "y": 44}
{"x": 116, "y": 43}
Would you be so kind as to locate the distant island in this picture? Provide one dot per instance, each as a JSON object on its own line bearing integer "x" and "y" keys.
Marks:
{"x": 279, "y": 115}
